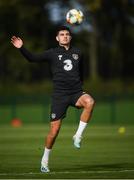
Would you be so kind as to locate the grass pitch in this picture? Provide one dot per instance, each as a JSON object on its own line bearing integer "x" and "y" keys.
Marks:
{"x": 105, "y": 153}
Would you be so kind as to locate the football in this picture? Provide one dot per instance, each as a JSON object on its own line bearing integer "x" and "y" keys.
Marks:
{"x": 74, "y": 16}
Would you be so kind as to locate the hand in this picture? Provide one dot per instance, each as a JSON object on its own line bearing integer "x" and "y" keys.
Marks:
{"x": 17, "y": 42}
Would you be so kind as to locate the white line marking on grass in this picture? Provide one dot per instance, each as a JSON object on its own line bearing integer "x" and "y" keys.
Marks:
{"x": 66, "y": 172}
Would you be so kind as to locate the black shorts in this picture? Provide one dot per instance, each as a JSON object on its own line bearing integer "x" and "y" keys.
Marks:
{"x": 60, "y": 103}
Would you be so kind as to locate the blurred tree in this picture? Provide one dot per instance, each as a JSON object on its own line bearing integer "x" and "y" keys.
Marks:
{"x": 111, "y": 40}
{"x": 107, "y": 36}
{"x": 16, "y": 19}
{"x": 93, "y": 7}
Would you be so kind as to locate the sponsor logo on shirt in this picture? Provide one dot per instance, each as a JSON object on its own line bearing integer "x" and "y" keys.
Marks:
{"x": 59, "y": 56}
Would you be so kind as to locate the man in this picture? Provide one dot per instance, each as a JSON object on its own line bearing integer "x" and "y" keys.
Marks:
{"x": 65, "y": 62}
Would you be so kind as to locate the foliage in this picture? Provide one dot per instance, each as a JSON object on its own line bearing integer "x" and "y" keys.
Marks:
{"x": 112, "y": 46}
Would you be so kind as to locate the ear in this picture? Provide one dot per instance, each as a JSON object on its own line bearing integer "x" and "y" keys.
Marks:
{"x": 57, "y": 38}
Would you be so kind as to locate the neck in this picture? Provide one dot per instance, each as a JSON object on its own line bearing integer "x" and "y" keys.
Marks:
{"x": 65, "y": 46}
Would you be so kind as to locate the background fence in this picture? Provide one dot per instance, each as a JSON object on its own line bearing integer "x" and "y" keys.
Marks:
{"x": 35, "y": 109}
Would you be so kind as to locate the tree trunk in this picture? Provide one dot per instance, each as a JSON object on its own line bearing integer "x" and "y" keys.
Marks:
{"x": 93, "y": 52}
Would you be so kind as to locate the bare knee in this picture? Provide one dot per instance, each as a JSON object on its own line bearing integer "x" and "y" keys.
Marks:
{"x": 89, "y": 104}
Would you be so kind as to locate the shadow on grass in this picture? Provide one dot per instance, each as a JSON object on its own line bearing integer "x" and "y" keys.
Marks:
{"x": 101, "y": 167}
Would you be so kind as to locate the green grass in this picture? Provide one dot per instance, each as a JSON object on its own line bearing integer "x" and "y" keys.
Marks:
{"x": 104, "y": 153}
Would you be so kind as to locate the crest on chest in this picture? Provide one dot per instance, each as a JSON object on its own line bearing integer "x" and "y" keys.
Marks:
{"x": 75, "y": 56}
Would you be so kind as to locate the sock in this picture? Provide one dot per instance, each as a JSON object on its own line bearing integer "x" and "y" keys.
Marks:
{"x": 81, "y": 127}
{"x": 45, "y": 157}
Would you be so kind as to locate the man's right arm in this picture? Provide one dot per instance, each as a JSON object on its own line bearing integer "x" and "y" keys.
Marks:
{"x": 18, "y": 43}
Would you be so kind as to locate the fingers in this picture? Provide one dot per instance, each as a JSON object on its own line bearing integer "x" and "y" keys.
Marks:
{"x": 18, "y": 38}
{"x": 15, "y": 38}
{"x": 16, "y": 41}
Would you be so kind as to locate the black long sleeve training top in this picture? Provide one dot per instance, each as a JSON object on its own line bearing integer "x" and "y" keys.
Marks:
{"x": 66, "y": 67}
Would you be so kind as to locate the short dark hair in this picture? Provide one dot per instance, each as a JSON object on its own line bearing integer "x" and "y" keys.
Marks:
{"x": 62, "y": 28}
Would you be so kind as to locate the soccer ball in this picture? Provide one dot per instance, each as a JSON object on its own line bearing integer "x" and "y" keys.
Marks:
{"x": 74, "y": 16}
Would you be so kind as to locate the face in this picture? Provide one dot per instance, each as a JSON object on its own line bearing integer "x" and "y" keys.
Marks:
{"x": 63, "y": 37}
